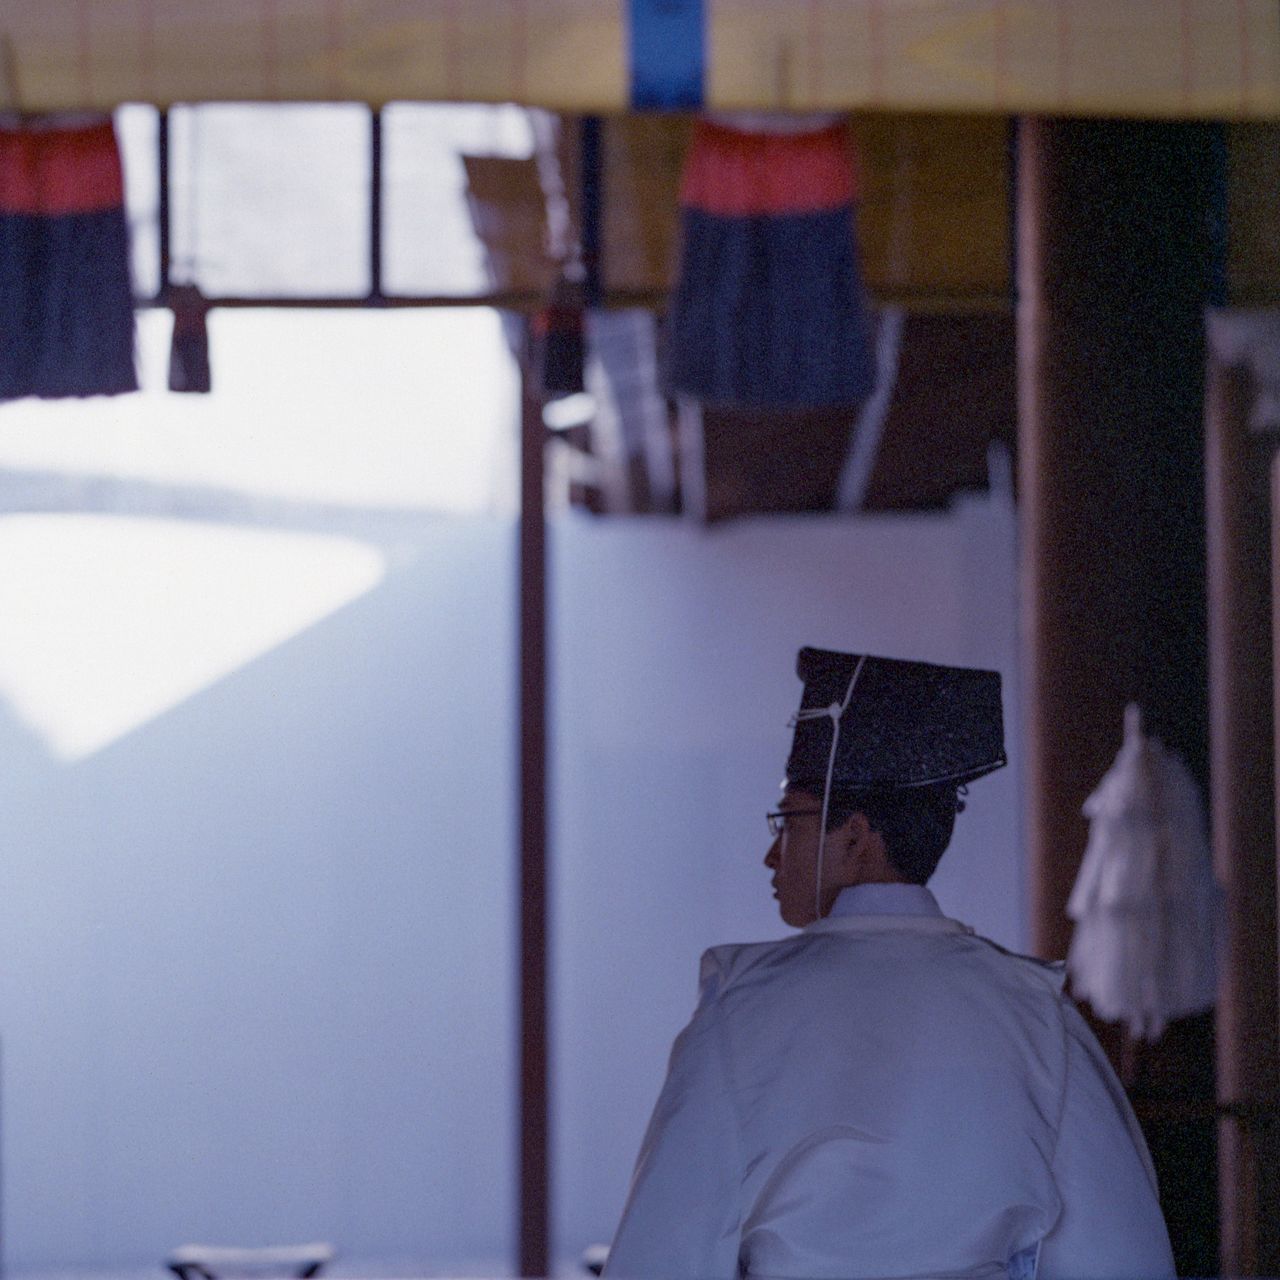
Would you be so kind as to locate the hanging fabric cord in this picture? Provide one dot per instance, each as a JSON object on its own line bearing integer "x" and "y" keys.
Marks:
{"x": 835, "y": 711}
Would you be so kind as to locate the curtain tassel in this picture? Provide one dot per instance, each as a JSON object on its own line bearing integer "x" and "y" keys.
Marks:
{"x": 189, "y": 352}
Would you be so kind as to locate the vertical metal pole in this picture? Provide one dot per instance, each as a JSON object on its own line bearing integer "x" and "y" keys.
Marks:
{"x": 375, "y": 205}
{"x": 534, "y": 1076}
{"x": 164, "y": 215}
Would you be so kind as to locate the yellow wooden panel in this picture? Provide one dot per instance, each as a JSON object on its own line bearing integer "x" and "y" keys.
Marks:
{"x": 935, "y": 210}
{"x": 643, "y": 157}
{"x": 1163, "y": 58}
{"x": 1180, "y": 58}
{"x": 62, "y": 54}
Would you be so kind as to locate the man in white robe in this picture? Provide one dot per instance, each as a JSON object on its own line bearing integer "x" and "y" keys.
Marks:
{"x": 886, "y": 1094}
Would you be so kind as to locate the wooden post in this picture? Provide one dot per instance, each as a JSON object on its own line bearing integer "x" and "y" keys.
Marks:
{"x": 1275, "y": 686}
{"x": 535, "y": 1213}
{"x": 1243, "y": 794}
{"x": 1113, "y": 268}
{"x": 1115, "y": 259}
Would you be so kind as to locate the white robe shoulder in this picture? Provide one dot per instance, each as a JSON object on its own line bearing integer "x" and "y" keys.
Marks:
{"x": 887, "y": 1096}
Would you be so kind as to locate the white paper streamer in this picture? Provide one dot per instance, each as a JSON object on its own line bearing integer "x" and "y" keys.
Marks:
{"x": 1145, "y": 902}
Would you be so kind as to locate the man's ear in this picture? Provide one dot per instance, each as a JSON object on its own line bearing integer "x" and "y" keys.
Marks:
{"x": 851, "y": 838}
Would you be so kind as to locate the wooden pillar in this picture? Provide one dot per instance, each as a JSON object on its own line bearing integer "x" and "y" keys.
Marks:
{"x": 534, "y": 1132}
{"x": 1243, "y": 796}
{"x": 1115, "y": 259}
{"x": 1275, "y": 682}
{"x": 1113, "y": 267}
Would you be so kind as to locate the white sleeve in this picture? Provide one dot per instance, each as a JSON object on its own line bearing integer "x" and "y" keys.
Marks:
{"x": 682, "y": 1217}
{"x": 1111, "y": 1225}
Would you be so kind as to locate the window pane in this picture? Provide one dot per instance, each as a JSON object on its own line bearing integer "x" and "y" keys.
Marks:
{"x": 429, "y": 245}
{"x": 138, "y": 128}
{"x": 363, "y": 409}
{"x": 271, "y": 201}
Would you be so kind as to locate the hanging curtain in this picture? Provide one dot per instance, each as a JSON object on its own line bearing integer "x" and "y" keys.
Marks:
{"x": 66, "y": 302}
{"x": 769, "y": 309}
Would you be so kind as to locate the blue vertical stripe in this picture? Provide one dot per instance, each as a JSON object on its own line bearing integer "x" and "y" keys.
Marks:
{"x": 668, "y": 54}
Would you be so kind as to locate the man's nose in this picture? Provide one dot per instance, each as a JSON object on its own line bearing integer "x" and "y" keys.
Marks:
{"x": 771, "y": 858}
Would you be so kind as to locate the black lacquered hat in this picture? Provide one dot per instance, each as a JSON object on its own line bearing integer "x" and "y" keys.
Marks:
{"x": 901, "y": 724}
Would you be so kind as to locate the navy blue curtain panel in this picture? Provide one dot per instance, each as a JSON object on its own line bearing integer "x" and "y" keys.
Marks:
{"x": 769, "y": 310}
{"x": 66, "y": 302}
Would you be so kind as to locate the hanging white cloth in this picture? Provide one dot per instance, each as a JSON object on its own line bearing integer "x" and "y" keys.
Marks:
{"x": 1145, "y": 902}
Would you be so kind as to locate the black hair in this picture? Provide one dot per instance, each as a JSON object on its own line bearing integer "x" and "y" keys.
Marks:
{"x": 915, "y": 822}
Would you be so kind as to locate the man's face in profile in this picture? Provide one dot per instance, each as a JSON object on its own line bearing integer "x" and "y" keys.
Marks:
{"x": 793, "y": 857}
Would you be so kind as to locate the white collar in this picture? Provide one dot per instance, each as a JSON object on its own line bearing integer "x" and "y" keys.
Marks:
{"x": 886, "y": 907}
{"x": 885, "y": 900}
{"x": 886, "y": 924}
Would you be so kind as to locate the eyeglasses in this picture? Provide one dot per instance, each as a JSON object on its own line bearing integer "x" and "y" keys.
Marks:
{"x": 777, "y": 820}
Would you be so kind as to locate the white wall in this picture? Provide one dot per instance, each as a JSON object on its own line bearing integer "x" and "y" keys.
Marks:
{"x": 256, "y": 963}
{"x": 256, "y": 969}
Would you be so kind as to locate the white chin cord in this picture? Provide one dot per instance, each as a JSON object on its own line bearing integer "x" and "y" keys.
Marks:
{"x": 835, "y": 711}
